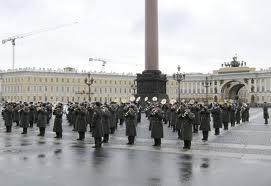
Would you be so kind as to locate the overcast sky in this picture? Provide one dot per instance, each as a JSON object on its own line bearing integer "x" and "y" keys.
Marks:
{"x": 197, "y": 34}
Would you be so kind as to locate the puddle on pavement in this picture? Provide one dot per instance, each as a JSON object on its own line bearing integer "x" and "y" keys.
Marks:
{"x": 41, "y": 142}
{"x": 25, "y": 144}
{"x": 205, "y": 163}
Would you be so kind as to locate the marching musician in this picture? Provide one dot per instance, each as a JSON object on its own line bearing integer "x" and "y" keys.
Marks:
{"x": 8, "y": 114}
{"x": 225, "y": 116}
{"x": 97, "y": 127}
{"x": 205, "y": 119}
{"x": 232, "y": 111}
{"x": 31, "y": 114}
{"x": 195, "y": 108}
{"x": 157, "y": 125}
{"x": 217, "y": 121}
{"x": 187, "y": 126}
{"x": 16, "y": 114}
{"x": 81, "y": 121}
{"x": 106, "y": 123}
{"x": 24, "y": 119}
{"x": 180, "y": 111}
{"x": 238, "y": 114}
{"x": 130, "y": 115}
{"x": 42, "y": 119}
{"x": 113, "y": 116}
{"x": 58, "y": 113}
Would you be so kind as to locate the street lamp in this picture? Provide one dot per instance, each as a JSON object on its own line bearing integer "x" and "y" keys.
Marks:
{"x": 89, "y": 81}
{"x": 179, "y": 77}
{"x": 134, "y": 87}
{"x": 207, "y": 83}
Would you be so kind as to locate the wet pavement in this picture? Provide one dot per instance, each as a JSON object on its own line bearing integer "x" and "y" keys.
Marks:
{"x": 240, "y": 156}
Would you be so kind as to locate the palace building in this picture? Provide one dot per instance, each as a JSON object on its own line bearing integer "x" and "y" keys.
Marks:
{"x": 233, "y": 80}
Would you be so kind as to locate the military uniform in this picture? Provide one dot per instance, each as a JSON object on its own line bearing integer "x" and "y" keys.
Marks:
{"x": 41, "y": 120}
{"x": 187, "y": 126}
{"x": 81, "y": 122}
{"x": 97, "y": 127}
{"x": 130, "y": 122}
{"x": 24, "y": 119}
{"x": 217, "y": 121}
{"x": 58, "y": 122}
{"x": 205, "y": 126}
{"x": 157, "y": 131}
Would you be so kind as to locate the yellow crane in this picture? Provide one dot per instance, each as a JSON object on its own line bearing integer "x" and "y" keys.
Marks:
{"x": 12, "y": 39}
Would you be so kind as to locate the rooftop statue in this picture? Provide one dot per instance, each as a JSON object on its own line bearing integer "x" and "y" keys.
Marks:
{"x": 235, "y": 63}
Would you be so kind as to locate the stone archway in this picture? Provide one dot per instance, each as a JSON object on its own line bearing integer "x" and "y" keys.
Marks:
{"x": 234, "y": 90}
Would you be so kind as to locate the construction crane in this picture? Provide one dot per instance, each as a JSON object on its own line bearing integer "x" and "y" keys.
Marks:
{"x": 99, "y": 60}
{"x": 21, "y": 36}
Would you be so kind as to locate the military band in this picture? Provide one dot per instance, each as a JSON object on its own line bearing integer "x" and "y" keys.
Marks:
{"x": 184, "y": 117}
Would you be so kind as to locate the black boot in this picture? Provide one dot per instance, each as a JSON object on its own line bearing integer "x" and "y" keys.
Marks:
{"x": 217, "y": 131}
{"x": 155, "y": 142}
{"x": 24, "y": 131}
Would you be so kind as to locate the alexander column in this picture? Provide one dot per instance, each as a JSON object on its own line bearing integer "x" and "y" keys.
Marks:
{"x": 151, "y": 82}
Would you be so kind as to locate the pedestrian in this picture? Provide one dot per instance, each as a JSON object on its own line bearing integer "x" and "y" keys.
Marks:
{"x": 265, "y": 113}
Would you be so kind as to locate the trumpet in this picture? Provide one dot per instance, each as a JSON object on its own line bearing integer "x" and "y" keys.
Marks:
{"x": 128, "y": 112}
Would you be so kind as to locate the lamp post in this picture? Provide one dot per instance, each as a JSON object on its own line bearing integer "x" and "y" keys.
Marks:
{"x": 134, "y": 87}
{"x": 207, "y": 83}
{"x": 89, "y": 81}
{"x": 179, "y": 77}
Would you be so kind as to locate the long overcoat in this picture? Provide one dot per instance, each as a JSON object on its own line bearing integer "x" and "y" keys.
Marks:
{"x": 205, "y": 120}
{"x": 24, "y": 118}
{"x": 42, "y": 118}
{"x": 97, "y": 127}
{"x": 187, "y": 126}
{"x": 81, "y": 120}
{"x": 157, "y": 131}
{"x": 225, "y": 115}
{"x": 58, "y": 120}
{"x": 106, "y": 121}
{"x": 130, "y": 122}
{"x": 8, "y": 114}
{"x": 217, "y": 121}
{"x": 265, "y": 112}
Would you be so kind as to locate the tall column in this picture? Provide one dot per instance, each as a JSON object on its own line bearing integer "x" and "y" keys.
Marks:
{"x": 151, "y": 82}
{"x": 151, "y": 35}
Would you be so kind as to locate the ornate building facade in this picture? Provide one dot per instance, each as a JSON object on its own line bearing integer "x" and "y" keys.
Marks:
{"x": 233, "y": 80}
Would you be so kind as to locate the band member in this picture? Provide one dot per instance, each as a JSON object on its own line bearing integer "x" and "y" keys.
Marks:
{"x": 58, "y": 112}
{"x": 130, "y": 115}
{"x": 8, "y": 114}
{"x": 232, "y": 111}
{"x": 225, "y": 116}
{"x": 265, "y": 113}
{"x": 238, "y": 114}
{"x": 81, "y": 121}
{"x": 113, "y": 117}
{"x": 24, "y": 116}
{"x": 42, "y": 119}
{"x": 121, "y": 113}
{"x": 217, "y": 122}
{"x": 180, "y": 111}
{"x": 196, "y": 122}
{"x": 205, "y": 122}
{"x": 31, "y": 114}
{"x": 16, "y": 114}
{"x": 173, "y": 116}
{"x": 187, "y": 126}
{"x": 106, "y": 123}
{"x": 97, "y": 127}
{"x": 157, "y": 125}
